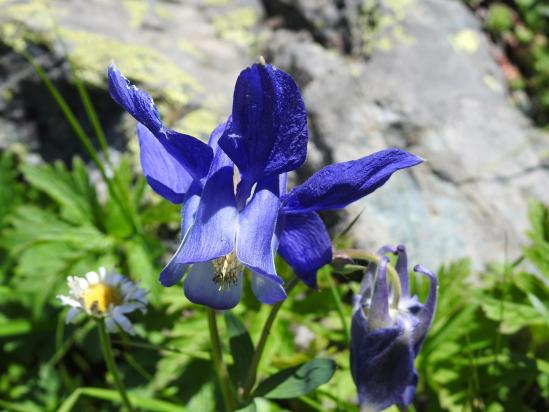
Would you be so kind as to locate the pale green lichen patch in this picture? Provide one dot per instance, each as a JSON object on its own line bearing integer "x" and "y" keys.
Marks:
{"x": 36, "y": 13}
{"x": 465, "y": 41}
{"x": 399, "y": 7}
{"x": 34, "y": 21}
{"x": 137, "y": 9}
{"x": 16, "y": 18}
{"x": 189, "y": 48}
{"x": 492, "y": 83}
{"x": 199, "y": 123}
{"x": 92, "y": 53}
{"x": 217, "y": 2}
{"x": 384, "y": 29}
{"x": 235, "y": 26}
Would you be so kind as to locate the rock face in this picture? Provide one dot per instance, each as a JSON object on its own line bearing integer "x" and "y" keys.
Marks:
{"x": 416, "y": 74}
{"x": 430, "y": 86}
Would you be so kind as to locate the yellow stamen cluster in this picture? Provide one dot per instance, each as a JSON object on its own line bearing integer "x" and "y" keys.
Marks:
{"x": 98, "y": 297}
{"x": 226, "y": 270}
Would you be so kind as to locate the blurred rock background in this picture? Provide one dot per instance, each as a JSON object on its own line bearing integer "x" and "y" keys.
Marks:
{"x": 457, "y": 82}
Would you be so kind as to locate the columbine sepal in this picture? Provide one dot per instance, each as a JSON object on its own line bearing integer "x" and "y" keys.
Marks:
{"x": 106, "y": 295}
{"x": 387, "y": 333}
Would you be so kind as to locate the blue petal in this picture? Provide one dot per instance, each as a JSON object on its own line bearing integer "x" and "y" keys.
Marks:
{"x": 367, "y": 283}
{"x": 305, "y": 245}
{"x": 402, "y": 270}
{"x": 379, "y": 317}
{"x": 268, "y": 130}
{"x": 200, "y": 288}
{"x": 257, "y": 223}
{"x": 339, "y": 184}
{"x": 213, "y": 232}
{"x": 190, "y": 207}
{"x": 163, "y": 172}
{"x": 193, "y": 154}
{"x": 382, "y": 364}
{"x": 213, "y": 142}
{"x": 174, "y": 271}
{"x": 408, "y": 394}
{"x": 135, "y": 101}
{"x": 266, "y": 290}
{"x": 427, "y": 312}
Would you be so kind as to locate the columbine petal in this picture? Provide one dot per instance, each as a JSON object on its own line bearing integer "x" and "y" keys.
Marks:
{"x": 174, "y": 271}
{"x": 135, "y": 101}
{"x": 337, "y": 185}
{"x": 257, "y": 224}
{"x": 163, "y": 172}
{"x": 382, "y": 364}
{"x": 267, "y": 290}
{"x": 427, "y": 311}
{"x": 268, "y": 130}
{"x": 379, "y": 308}
{"x": 305, "y": 245}
{"x": 193, "y": 154}
{"x": 200, "y": 288}
{"x": 402, "y": 270}
{"x": 214, "y": 229}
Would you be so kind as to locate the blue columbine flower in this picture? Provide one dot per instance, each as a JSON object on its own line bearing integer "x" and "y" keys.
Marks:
{"x": 386, "y": 336}
{"x": 236, "y": 210}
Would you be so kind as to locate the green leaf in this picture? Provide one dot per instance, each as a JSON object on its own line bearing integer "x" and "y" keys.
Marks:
{"x": 9, "y": 189}
{"x": 32, "y": 225}
{"x": 513, "y": 316}
{"x": 297, "y": 381}
{"x": 74, "y": 194}
{"x": 14, "y": 327}
{"x": 242, "y": 347}
{"x": 145, "y": 403}
{"x": 141, "y": 267}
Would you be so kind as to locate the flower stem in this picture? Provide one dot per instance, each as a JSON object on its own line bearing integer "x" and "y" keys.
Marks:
{"x": 219, "y": 364}
{"x": 339, "y": 306}
{"x": 256, "y": 358}
{"x": 111, "y": 365}
{"x": 372, "y": 257}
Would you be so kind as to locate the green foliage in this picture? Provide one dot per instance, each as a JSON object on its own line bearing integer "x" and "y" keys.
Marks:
{"x": 297, "y": 381}
{"x": 487, "y": 348}
{"x": 521, "y": 26}
{"x": 241, "y": 345}
{"x": 499, "y": 18}
{"x": 490, "y": 338}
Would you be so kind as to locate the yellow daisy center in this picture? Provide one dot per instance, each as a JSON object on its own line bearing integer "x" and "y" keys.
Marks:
{"x": 98, "y": 297}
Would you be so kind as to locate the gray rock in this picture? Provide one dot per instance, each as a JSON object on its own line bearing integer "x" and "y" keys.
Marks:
{"x": 431, "y": 87}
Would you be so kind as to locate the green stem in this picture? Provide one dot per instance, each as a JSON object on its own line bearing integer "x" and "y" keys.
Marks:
{"x": 372, "y": 257}
{"x": 252, "y": 372}
{"x": 86, "y": 142}
{"x": 219, "y": 364}
{"x": 111, "y": 365}
{"x": 339, "y": 307}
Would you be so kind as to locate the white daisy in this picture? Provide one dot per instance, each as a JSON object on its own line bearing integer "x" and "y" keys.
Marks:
{"x": 107, "y": 295}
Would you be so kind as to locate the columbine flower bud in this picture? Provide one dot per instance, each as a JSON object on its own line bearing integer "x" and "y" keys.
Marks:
{"x": 387, "y": 333}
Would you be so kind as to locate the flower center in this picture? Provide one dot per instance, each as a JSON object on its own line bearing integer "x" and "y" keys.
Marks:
{"x": 98, "y": 297}
{"x": 226, "y": 270}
